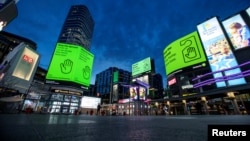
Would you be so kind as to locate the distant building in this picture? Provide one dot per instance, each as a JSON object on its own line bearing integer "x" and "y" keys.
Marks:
{"x": 157, "y": 83}
{"x": 78, "y": 27}
{"x": 90, "y": 91}
{"x": 149, "y": 77}
{"x": 108, "y": 84}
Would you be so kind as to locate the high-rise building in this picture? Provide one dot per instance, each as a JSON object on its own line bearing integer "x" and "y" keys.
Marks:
{"x": 78, "y": 27}
{"x": 76, "y": 35}
{"x": 74, "y": 39}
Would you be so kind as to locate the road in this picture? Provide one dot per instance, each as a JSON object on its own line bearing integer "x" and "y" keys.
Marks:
{"x": 47, "y": 127}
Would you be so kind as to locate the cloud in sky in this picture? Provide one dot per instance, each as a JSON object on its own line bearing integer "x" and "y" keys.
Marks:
{"x": 126, "y": 31}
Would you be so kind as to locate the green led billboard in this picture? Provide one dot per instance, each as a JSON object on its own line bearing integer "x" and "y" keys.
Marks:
{"x": 184, "y": 52}
{"x": 71, "y": 63}
{"x": 115, "y": 76}
{"x": 141, "y": 66}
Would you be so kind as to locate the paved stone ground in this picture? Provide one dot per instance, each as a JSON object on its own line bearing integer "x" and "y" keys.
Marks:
{"x": 46, "y": 127}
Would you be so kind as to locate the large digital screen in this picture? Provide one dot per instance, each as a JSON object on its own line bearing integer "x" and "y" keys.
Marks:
{"x": 141, "y": 66}
{"x": 71, "y": 63}
{"x": 171, "y": 81}
{"x": 237, "y": 31}
{"x": 218, "y": 51}
{"x": 184, "y": 52}
{"x": 90, "y": 102}
{"x": 26, "y": 64}
{"x": 115, "y": 77}
{"x": 115, "y": 92}
{"x": 133, "y": 93}
{"x": 142, "y": 93}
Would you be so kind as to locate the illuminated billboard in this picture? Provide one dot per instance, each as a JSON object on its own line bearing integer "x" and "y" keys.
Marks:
{"x": 115, "y": 92}
{"x": 133, "y": 93}
{"x": 115, "y": 77}
{"x": 184, "y": 52}
{"x": 237, "y": 31}
{"x": 142, "y": 93}
{"x": 71, "y": 63}
{"x": 141, "y": 66}
{"x": 90, "y": 102}
{"x": 171, "y": 81}
{"x": 26, "y": 64}
{"x": 218, "y": 51}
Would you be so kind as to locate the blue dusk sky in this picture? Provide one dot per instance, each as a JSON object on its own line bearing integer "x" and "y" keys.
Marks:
{"x": 125, "y": 32}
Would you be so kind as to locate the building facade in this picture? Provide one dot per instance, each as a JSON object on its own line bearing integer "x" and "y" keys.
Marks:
{"x": 76, "y": 35}
{"x": 9, "y": 41}
{"x": 108, "y": 84}
{"x": 78, "y": 27}
{"x": 217, "y": 76}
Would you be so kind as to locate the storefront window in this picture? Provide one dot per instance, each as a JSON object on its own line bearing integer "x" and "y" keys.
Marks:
{"x": 65, "y": 103}
{"x": 67, "y": 97}
{"x": 57, "y": 97}
{"x": 74, "y": 99}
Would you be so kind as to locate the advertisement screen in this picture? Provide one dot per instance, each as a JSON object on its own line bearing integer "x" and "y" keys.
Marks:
{"x": 171, "y": 81}
{"x": 237, "y": 31}
{"x": 184, "y": 52}
{"x": 142, "y": 93}
{"x": 71, "y": 63}
{"x": 115, "y": 92}
{"x": 141, "y": 66}
{"x": 218, "y": 51}
{"x": 133, "y": 93}
{"x": 90, "y": 102}
{"x": 26, "y": 64}
{"x": 115, "y": 76}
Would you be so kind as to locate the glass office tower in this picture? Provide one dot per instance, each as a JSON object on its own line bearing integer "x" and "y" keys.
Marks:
{"x": 78, "y": 27}
{"x": 76, "y": 30}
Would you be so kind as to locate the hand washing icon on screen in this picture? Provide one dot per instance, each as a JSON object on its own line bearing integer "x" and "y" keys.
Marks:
{"x": 190, "y": 53}
{"x": 86, "y": 72}
{"x": 190, "y": 50}
{"x": 66, "y": 66}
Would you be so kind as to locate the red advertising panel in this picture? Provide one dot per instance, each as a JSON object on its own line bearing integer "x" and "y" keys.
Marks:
{"x": 26, "y": 64}
{"x": 172, "y": 81}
